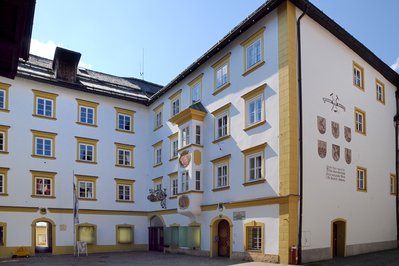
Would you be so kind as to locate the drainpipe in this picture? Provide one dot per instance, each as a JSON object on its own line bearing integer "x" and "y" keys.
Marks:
{"x": 396, "y": 122}
{"x": 298, "y": 30}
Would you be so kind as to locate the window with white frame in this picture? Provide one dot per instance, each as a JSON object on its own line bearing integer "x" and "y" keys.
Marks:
{"x": 43, "y": 186}
{"x": 3, "y": 99}
{"x": 124, "y": 192}
{"x": 2, "y": 183}
{"x": 184, "y": 181}
{"x": 174, "y": 146}
{"x": 2, "y": 141}
{"x": 254, "y": 237}
{"x": 222, "y": 127}
{"x": 380, "y": 91}
{"x": 86, "y": 152}
{"x": 196, "y": 92}
{"x": 254, "y": 53}
{"x": 86, "y": 189}
{"x": 197, "y": 180}
{"x": 358, "y": 76}
{"x": 158, "y": 183}
{"x": 158, "y": 155}
{"x": 360, "y": 121}
{"x": 255, "y": 163}
{"x": 222, "y": 175}
{"x": 44, "y": 107}
{"x": 198, "y": 134}
{"x": 185, "y": 136}
{"x": 173, "y": 186}
{"x": 43, "y": 146}
{"x": 222, "y": 75}
{"x": 124, "y": 122}
{"x": 175, "y": 106}
{"x": 86, "y": 115}
{"x": 255, "y": 110}
{"x": 158, "y": 117}
{"x": 124, "y": 157}
{"x": 361, "y": 179}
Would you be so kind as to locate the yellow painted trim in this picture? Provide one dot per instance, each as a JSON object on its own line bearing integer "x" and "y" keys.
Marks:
{"x": 119, "y": 226}
{"x": 126, "y": 182}
{"x": 221, "y": 139}
{"x": 221, "y": 159}
{"x": 46, "y": 95}
{"x": 214, "y": 232}
{"x": 360, "y": 68}
{"x": 255, "y": 92}
{"x": 363, "y": 113}
{"x": 364, "y": 170}
{"x": 288, "y": 128}
{"x": 220, "y": 188}
{"x": 173, "y": 136}
{"x": 189, "y": 146}
{"x": 157, "y": 179}
{"x": 5, "y": 87}
{"x": 4, "y": 130}
{"x": 254, "y": 149}
{"x": 88, "y": 104}
{"x": 382, "y": 85}
{"x": 186, "y": 115}
{"x": 191, "y": 192}
{"x": 18, "y": 209}
{"x": 197, "y": 157}
{"x": 161, "y": 212}
{"x": 87, "y": 178}
{"x": 332, "y": 233}
{"x": 248, "y": 42}
{"x": 246, "y": 240}
{"x": 4, "y": 172}
{"x": 87, "y": 141}
{"x": 125, "y": 112}
{"x": 4, "y": 225}
{"x": 124, "y": 147}
{"x": 221, "y": 109}
{"x": 42, "y": 174}
{"x": 94, "y": 226}
{"x": 53, "y": 233}
{"x": 44, "y": 135}
{"x": 392, "y": 180}
{"x": 175, "y": 95}
{"x": 157, "y": 144}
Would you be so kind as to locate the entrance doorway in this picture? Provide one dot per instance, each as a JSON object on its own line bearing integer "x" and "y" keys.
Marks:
{"x": 155, "y": 234}
{"x": 338, "y": 238}
{"x": 221, "y": 234}
{"x": 43, "y": 237}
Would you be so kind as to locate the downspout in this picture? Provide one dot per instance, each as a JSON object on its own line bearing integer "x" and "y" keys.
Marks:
{"x": 396, "y": 122}
{"x": 298, "y": 30}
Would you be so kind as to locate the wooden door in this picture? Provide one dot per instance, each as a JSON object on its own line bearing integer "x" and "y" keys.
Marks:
{"x": 155, "y": 238}
{"x": 224, "y": 239}
{"x": 339, "y": 239}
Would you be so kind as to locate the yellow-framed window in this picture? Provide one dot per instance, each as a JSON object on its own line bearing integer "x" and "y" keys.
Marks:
{"x": 175, "y": 103}
{"x": 124, "y": 120}
{"x": 157, "y": 153}
{"x": 3, "y": 234}
{"x": 4, "y": 97}
{"x": 45, "y": 104}
{"x": 87, "y": 187}
{"x": 124, "y": 190}
{"x": 254, "y": 165}
{"x": 87, "y": 113}
{"x": 222, "y": 123}
{"x": 392, "y": 178}
{"x": 4, "y": 139}
{"x": 380, "y": 91}
{"x": 360, "y": 121}
{"x": 254, "y": 233}
{"x": 86, "y": 150}
{"x": 174, "y": 146}
{"x": 124, "y": 155}
{"x": 157, "y": 183}
{"x": 221, "y": 173}
{"x": 158, "y": 117}
{"x": 43, "y": 144}
{"x": 196, "y": 89}
{"x": 3, "y": 181}
{"x": 125, "y": 234}
{"x": 361, "y": 179}
{"x": 254, "y": 51}
{"x": 43, "y": 184}
{"x": 221, "y": 73}
{"x": 358, "y": 76}
{"x": 173, "y": 184}
{"x": 86, "y": 232}
{"x": 254, "y": 108}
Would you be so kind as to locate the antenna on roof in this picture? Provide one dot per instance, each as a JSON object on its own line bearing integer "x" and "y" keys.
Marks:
{"x": 142, "y": 67}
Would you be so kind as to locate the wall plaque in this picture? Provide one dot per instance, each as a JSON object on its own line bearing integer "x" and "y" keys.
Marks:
{"x": 321, "y": 124}
{"x": 348, "y": 156}
{"x": 335, "y": 152}
{"x": 335, "y": 129}
{"x": 348, "y": 134}
{"x": 322, "y": 148}
{"x": 184, "y": 202}
{"x": 239, "y": 215}
{"x": 335, "y": 174}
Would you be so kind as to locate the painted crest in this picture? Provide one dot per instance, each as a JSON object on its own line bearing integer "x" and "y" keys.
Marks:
{"x": 335, "y": 152}
{"x": 335, "y": 129}
{"x": 348, "y": 134}
{"x": 184, "y": 202}
{"x": 185, "y": 159}
{"x": 322, "y": 149}
{"x": 348, "y": 156}
{"x": 321, "y": 124}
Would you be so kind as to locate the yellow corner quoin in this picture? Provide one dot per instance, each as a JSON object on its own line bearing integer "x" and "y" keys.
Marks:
{"x": 288, "y": 127}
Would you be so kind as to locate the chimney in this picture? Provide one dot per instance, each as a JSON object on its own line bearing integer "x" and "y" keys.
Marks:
{"x": 65, "y": 64}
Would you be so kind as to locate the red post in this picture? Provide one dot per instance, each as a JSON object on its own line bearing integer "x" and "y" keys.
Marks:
{"x": 294, "y": 257}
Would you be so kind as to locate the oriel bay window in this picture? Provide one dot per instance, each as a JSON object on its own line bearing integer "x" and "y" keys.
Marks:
{"x": 44, "y": 104}
{"x": 124, "y": 120}
{"x": 124, "y": 190}
{"x": 185, "y": 136}
{"x": 43, "y": 144}
{"x": 254, "y": 108}
{"x": 254, "y": 165}
{"x": 86, "y": 187}
{"x": 43, "y": 184}
{"x": 86, "y": 150}
{"x": 124, "y": 155}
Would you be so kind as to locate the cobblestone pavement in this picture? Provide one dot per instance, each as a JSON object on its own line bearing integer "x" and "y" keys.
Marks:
{"x": 126, "y": 258}
{"x": 383, "y": 258}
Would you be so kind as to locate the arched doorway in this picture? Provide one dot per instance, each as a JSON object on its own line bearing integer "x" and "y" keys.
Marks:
{"x": 221, "y": 237}
{"x": 155, "y": 234}
{"x": 338, "y": 237}
{"x": 43, "y": 235}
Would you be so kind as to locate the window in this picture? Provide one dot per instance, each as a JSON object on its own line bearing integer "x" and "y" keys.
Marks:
{"x": 124, "y": 190}
{"x": 124, "y": 155}
{"x": 158, "y": 117}
{"x": 380, "y": 91}
{"x": 124, "y": 233}
{"x": 253, "y": 236}
{"x": 253, "y": 51}
{"x": 87, "y": 233}
{"x": 3, "y": 232}
{"x": 221, "y": 173}
{"x": 175, "y": 103}
{"x": 124, "y": 120}
{"x": 4, "y": 139}
{"x": 185, "y": 136}
{"x": 43, "y": 144}
{"x": 358, "y": 79}
{"x": 174, "y": 146}
{"x": 221, "y": 74}
{"x": 360, "y": 121}
{"x": 196, "y": 89}
{"x": 44, "y": 104}
{"x": 222, "y": 123}
{"x": 86, "y": 187}
{"x": 4, "y": 88}
{"x": 184, "y": 181}
{"x": 392, "y": 184}
{"x": 361, "y": 178}
{"x": 157, "y": 153}
{"x": 43, "y": 184}
{"x": 198, "y": 134}
{"x": 86, "y": 150}
{"x": 87, "y": 112}
{"x": 197, "y": 180}
{"x": 254, "y": 108}
{"x": 157, "y": 183}
{"x": 254, "y": 165}
{"x": 3, "y": 181}
{"x": 173, "y": 184}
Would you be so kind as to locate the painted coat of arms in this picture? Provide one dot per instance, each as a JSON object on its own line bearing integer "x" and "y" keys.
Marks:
{"x": 322, "y": 149}
{"x": 335, "y": 129}
{"x": 348, "y": 156}
{"x": 335, "y": 152}
{"x": 321, "y": 124}
{"x": 184, "y": 202}
{"x": 348, "y": 134}
{"x": 185, "y": 159}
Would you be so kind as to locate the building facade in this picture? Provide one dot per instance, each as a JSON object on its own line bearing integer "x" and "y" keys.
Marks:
{"x": 252, "y": 161}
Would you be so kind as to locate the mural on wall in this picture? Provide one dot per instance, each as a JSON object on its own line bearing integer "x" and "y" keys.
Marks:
{"x": 335, "y": 129}
{"x": 321, "y": 124}
{"x": 185, "y": 159}
{"x": 334, "y": 101}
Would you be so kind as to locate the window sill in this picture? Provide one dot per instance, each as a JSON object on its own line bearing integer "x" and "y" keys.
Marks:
{"x": 173, "y": 197}
{"x": 124, "y": 201}
{"x": 86, "y": 124}
{"x": 257, "y": 124}
{"x": 43, "y": 157}
{"x": 155, "y": 129}
{"x": 124, "y": 166}
{"x": 124, "y": 131}
{"x": 89, "y": 162}
{"x": 254, "y": 251}
{"x": 392, "y": 194}
{"x": 221, "y": 139}
{"x": 255, "y": 182}
{"x": 361, "y": 133}
{"x": 221, "y": 88}
{"x": 361, "y": 190}
{"x": 253, "y": 68}
{"x": 44, "y": 117}
{"x": 156, "y": 165}
{"x": 359, "y": 87}
{"x": 4, "y": 152}
{"x": 221, "y": 188}
{"x": 3, "y": 194}
{"x": 190, "y": 191}
{"x": 5, "y": 110}
{"x": 88, "y": 199}
{"x": 172, "y": 159}
{"x": 42, "y": 197}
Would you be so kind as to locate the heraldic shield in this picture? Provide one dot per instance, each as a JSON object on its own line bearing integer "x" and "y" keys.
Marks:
{"x": 335, "y": 129}
{"x": 335, "y": 152}
{"x": 348, "y": 134}
{"x": 321, "y": 124}
{"x": 348, "y": 156}
{"x": 322, "y": 149}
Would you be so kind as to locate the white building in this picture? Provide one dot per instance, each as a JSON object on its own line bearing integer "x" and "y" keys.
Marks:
{"x": 221, "y": 138}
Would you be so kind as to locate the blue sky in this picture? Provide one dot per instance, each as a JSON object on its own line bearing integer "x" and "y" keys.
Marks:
{"x": 111, "y": 35}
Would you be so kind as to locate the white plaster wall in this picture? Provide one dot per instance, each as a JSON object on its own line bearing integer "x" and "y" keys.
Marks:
{"x": 327, "y": 68}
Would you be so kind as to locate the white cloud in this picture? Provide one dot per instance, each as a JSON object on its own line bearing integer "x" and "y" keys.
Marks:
{"x": 395, "y": 66}
{"x": 47, "y": 50}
